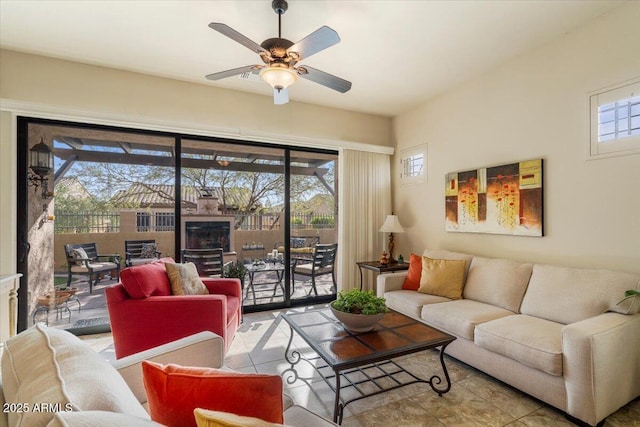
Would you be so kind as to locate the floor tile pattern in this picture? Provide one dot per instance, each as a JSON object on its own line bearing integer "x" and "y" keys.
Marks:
{"x": 475, "y": 399}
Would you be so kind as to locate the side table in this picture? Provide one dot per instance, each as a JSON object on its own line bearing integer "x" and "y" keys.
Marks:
{"x": 378, "y": 268}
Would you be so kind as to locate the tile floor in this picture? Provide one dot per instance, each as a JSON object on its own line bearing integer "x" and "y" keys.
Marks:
{"x": 475, "y": 399}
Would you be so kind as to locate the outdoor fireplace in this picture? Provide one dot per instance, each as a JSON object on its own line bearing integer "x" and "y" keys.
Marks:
{"x": 208, "y": 232}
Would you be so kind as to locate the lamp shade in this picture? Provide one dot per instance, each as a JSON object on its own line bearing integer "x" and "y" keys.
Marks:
{"x": 278, "y": 77}
{"x": 391, "y": 225}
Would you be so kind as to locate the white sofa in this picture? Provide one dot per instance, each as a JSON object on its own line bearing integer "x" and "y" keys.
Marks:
{"x": 52, "y": 378}
{"x": 542, "y": 329}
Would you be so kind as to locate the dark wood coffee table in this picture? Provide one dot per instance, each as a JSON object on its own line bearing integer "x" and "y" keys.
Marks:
{"x": 363, "y": 361}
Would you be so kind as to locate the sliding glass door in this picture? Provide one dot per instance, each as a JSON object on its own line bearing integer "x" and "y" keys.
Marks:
{"x": 271, "y": 210}
{"x": 233, "y": 199}
{"x": 313, "y": 242}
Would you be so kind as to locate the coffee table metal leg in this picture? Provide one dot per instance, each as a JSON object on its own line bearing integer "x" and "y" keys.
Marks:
{"x": 337, "y": 407}
{"x": 435, "y": 379}
{"x": 295, "y": 355}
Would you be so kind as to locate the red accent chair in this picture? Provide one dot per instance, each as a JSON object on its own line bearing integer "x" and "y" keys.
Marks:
{"x": 144, "y": 313}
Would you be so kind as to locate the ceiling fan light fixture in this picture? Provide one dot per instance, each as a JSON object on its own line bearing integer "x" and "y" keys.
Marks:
{"x": 279, "y": 77}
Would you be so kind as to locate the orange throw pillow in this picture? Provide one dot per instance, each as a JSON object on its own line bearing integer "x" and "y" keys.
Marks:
{"x": 173, "y": 392}
{"x": 412, "y": 281}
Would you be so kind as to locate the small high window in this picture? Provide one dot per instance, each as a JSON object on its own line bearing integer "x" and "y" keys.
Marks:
{"x": 413, "y": 164}
{"x": 615, "y": 121}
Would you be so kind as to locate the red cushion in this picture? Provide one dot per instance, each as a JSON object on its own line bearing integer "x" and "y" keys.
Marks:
{"x": 142, "y": 281}
{"x": 173, "y": 392}
{"x": 412, "y": 281}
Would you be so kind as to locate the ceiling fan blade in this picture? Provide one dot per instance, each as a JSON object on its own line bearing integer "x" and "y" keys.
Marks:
{"x": 233, "y": 72}
{"x": 325, "y": 79}
{"x": 234, "y": 35}
{"x": 280, "y": 96}
{"x": 320, "y": 39}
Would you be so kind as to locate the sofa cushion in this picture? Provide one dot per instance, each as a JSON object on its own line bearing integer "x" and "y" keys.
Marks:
{"x": 51, "y": 366}
{"x": 460, "y": 317}
{"x": 530, "y": 340}
{"x": 95, "y": 266}
{"x": 98, "y": 419}
{"x": 143, "y": 281}
{"x": 567, "y": 295}
{"x": 184, "y": 279}
{"x": 500, "y": 282}
{"x": 173, "y": 392}
{"x": 410, "y": 302}
{"x": 412, "y": 281}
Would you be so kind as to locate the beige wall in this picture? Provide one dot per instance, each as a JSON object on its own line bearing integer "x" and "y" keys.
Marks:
{"x": 8, "y": 184}
{"x": 534, "y": 107}
{"x": 38, "y": 86}
{"x": 96, "y": 92}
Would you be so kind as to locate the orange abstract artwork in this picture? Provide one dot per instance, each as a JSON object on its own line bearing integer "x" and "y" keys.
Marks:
{"x": 504, "y": 199}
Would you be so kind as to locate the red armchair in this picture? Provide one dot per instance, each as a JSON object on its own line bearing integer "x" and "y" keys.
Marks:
{"x": 144, "y": 314}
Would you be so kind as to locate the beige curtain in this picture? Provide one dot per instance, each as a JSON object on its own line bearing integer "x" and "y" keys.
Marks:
{"x": 364, "y": 202}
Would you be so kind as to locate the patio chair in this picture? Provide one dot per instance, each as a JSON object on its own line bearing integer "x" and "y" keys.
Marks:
{"x": 209, "y": 262}
{"x": 140, "y": 252}
{"x": 83, "y": 258}
{"x": 322, "y": 263}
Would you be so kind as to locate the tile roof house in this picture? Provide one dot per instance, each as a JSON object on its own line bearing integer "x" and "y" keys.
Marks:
{"x": 163, "y": 196}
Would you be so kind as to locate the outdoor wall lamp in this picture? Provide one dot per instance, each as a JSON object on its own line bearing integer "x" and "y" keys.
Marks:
{"x": 40, "y": 163}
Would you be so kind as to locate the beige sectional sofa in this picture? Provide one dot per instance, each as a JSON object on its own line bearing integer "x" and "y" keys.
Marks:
{"x": 542, "y": 329}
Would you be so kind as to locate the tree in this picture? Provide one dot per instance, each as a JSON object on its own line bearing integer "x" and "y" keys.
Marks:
{"x": 243, "y": 191}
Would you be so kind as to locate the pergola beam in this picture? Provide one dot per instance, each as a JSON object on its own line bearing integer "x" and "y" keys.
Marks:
{"x": 168, "y": 161}
{"x": 62, "y": 170}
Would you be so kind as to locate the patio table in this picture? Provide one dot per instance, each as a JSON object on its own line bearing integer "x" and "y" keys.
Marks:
{"x": 265, "y": 267}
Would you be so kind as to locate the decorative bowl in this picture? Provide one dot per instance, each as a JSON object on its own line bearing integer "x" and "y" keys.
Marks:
{"x": 357, "y": 322}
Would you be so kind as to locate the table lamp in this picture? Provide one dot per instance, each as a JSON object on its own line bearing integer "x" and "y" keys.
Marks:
{"x": 391, "y": 225}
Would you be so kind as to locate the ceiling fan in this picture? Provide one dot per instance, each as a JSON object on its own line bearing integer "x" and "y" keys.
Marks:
{"x": 281, "y": 56}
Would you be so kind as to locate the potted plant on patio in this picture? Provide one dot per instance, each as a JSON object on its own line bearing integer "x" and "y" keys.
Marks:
{"x": 358, "y": 310}
{"x": 236, "y": 270}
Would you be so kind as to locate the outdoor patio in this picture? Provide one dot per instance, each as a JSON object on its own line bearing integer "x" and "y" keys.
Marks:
{"x": 92, "y": 311}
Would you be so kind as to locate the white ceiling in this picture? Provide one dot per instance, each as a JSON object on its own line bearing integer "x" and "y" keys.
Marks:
{"x": 397, "y": 53}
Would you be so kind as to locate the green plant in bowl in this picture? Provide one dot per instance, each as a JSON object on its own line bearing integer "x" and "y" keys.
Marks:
{"x": 358, "y": 310}
{"x": 360, "y": 302}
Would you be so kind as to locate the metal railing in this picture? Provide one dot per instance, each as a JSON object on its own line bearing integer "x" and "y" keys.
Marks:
{"x": 86, "y": 222}
{"x": 109, "y": 221}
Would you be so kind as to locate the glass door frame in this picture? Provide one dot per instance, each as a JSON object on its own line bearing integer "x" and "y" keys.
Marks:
{"x": 22, "y": 199}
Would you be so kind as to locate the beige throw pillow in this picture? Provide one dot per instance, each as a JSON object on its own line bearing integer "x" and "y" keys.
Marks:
{"x": 442, "y": 277}
{"x": 207, "y": 418}
{"x": 184, "y": 279}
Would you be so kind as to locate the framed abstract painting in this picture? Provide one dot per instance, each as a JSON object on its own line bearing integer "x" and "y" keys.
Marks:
{"x": 505, "y": 199}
